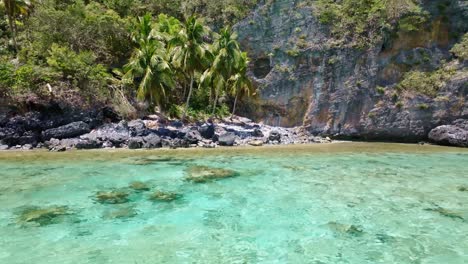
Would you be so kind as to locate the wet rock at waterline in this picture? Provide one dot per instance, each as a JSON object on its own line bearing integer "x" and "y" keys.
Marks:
{"x": 451, "y": 135}
{"x": 43, "y": 216}
{"x": 164, "y": 196}
{"x": 112, "y": 197}
{"x": 201, "y": 174}
{"x": 67, "y": 131}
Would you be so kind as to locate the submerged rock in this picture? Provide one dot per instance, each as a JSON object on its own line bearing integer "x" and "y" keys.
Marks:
{"x": 164, "y": 196}
{"x": 345, "y": 229}
{"x": 446, "y": 212}
{"x": 120, "y": 213}
{"x": 139, "y": 186}
{"x": 462, "y": 189}
{"x": 112, "y": 197}
{"x": 204, "y": 173}
{"x": 43, "y": 216}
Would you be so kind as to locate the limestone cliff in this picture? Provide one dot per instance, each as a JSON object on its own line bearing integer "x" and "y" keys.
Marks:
{"x": 336, "y": 89}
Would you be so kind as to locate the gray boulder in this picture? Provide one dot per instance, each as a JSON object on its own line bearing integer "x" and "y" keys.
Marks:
{"x": 137, "y": 128}
{"x": 152, "y": 141}
{"x": 227, "y": 139}
{"x": 115, "y": 133}
{"x": 67, "y": 131}
{"x": 451, "y": 135}
{"x": 193, "y": 136}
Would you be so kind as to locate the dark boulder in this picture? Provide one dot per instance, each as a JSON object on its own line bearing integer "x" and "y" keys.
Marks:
{"x": 110, "y": 114}
{"x": 207, "y": 131}
{"x": 115, "y": 133}
{"x": 10, "y": 138}
{"x": 179, "y": 143}
{"x": 67, "y": 131}
{"x": 87, "y": 144}
{"x": 257, "y": 132}
{"x": 170, "y": 132}
{"x": 193, "y": 137}
{"x": 227, "y": 139}
{"x": 274, "y": 136}
{"x": 152, "y": 141}
{"x": 29, "y": 137}
{"x": 135, "y": 143}
{"x": 451, "y": 135}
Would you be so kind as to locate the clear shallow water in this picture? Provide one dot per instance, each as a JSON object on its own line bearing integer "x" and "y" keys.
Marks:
{"x": 340, "y": 203}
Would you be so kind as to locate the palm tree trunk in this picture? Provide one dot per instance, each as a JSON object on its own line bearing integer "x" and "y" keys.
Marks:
{"x": 12, "y": 28}
{"x": 214, "y": 103}
{"x": 234, "y": 106}
{"x": 188, "y": 97}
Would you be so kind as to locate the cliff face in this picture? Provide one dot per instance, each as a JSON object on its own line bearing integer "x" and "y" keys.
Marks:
{"x": 335, "y": 89}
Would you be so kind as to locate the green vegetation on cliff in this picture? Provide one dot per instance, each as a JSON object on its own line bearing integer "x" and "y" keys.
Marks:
{"x": 362, "y": 23}
{"x": 114, "y": 51}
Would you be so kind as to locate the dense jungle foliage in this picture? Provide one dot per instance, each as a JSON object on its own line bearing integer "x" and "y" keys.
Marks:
{"x": 179, "y": 56}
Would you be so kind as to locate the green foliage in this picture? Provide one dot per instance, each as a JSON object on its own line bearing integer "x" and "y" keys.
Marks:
{"x": 361, "y": 23}
{"x": 74, "y": 45}
{"x": 81, "y": 27}
{"x": 79, "y": 68}
{"x": 461, "y": 49}
{"x": 423, "y": 106}
{"x": 149, "y": 65}
{"x": 427, "y": 83}
{"x": 293, "y": 52}
{"x": 7, "y": 71}
{"x": 380, "y": 89}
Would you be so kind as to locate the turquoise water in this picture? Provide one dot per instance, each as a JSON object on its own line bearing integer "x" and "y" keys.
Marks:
{"x": 339, "y": 203}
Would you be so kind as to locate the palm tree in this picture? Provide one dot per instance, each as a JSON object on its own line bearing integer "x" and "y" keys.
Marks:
{"x": 227, "y": 59}
{"x": 149, "y": 66}
{"x": 13, "y": 9}
{"x": 240, "y": 83}
{"x": 190, "y": 52}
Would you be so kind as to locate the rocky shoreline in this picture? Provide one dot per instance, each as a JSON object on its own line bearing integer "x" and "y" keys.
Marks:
{"x": 103, "y": 129}
{"x": 67, "y": 129}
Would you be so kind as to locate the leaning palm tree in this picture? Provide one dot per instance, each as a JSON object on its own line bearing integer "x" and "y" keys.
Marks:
{"x": 13, "y": 9}
{"x": 190, "y": 52}
{"x": 149, "y": 66}
{"x": 227, "y": 59}
{"x": 240, "y": 83}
